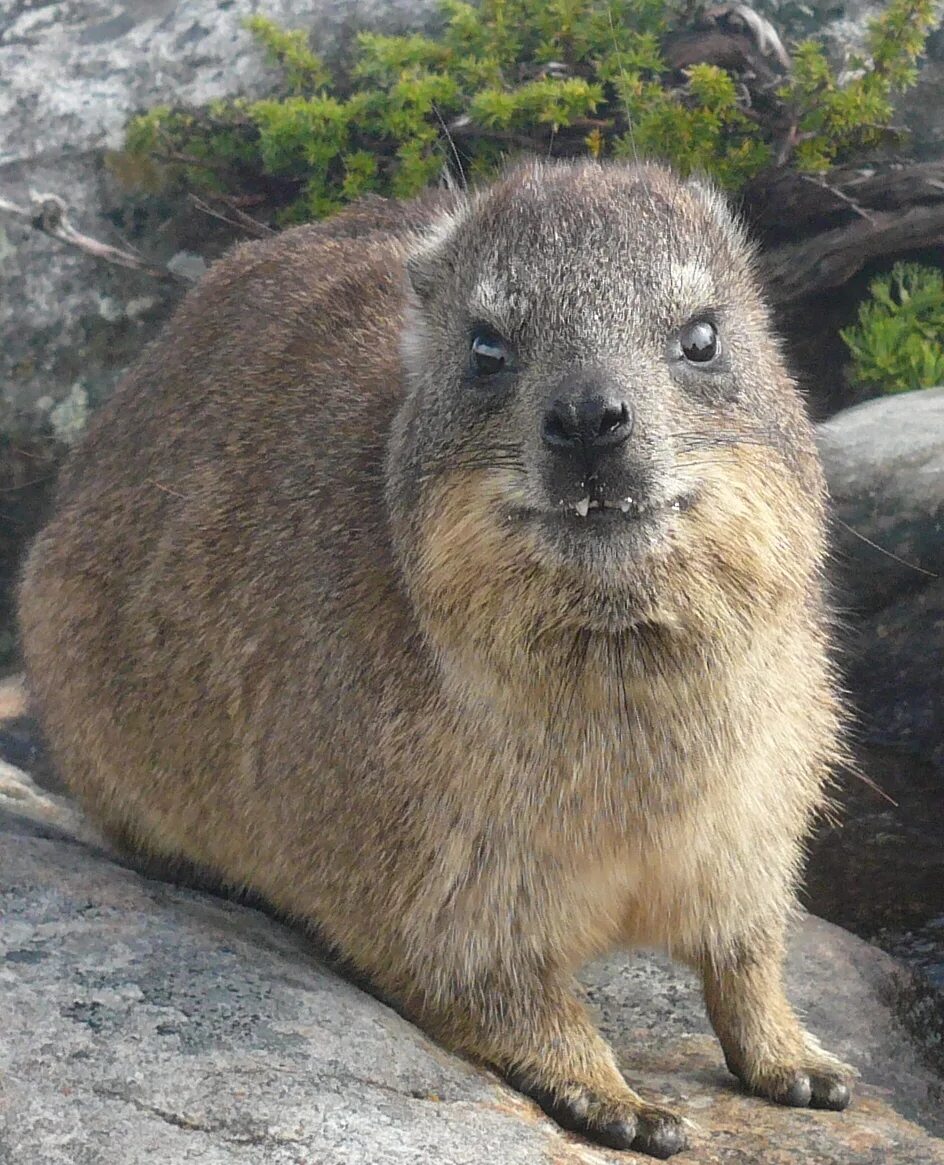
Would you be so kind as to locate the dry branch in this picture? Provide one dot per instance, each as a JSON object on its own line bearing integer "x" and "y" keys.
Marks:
{"x": 233, "y": 215}
{"x": 782, "y": 204}
{"x": 826, "y": 259}
{"x": 49, "y": 214}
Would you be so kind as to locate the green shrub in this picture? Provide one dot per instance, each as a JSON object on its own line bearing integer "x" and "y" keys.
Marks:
{"x": 565, "y": 76}
{"x": 898, "y": 343}
{"x": 834, "y": 120}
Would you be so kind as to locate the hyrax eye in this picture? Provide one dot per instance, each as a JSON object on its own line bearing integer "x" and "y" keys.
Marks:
{"x": 489, "y": 352}
{"x": 699, "y": 341}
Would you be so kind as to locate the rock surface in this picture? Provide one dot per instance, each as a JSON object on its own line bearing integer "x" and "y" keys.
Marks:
{"x": 885, "y": 463}
{"x": 72, "y": 72}
{"x": 885, "y": 466}
{"x": 147, "y": 1023}
{"x": 882, "y": 871}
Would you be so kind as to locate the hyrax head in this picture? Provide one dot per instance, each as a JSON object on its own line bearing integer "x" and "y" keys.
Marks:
{"x": 599, "y": 429}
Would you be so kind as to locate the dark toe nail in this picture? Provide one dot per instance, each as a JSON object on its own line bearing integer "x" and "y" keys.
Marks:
{"x": 831, "y": 1094}
{"x": 615, "y": 1135}
{"x": 799, "y": 1094}
{"x": 572, "y": 1113}
{"x": 662, "y": 1141}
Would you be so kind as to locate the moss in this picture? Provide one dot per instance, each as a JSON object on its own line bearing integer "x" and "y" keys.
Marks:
{"x": 564, "y": 75}
{"x": 898, "y": 342}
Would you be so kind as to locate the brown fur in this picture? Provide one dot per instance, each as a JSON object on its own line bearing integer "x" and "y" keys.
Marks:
{"x": 269, "y": 638}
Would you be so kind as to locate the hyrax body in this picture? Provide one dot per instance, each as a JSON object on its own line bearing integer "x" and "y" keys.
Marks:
{"x": 450, "y": 576}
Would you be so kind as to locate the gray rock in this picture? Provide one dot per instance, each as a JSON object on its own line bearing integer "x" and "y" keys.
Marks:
{"x": 884, "y": 461}
{"x": 149, "y": 1023}
{"x": 885, "y": 465}
{"x": 71, "y": 74}
{"x": 894, "y": 671}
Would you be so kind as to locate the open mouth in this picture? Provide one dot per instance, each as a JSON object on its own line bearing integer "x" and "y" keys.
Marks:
{"x": 578, "y": 520}
{"x": 628, "y": 507}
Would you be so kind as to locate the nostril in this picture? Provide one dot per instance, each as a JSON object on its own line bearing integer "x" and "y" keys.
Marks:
{"x": 614, "y": 417}
{"x": 561, "y": 426}
{"x": 586, "y": 422}
{"x": 608, "y": 422}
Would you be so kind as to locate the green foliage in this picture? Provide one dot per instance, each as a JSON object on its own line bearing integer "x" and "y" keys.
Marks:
{"x": 587, "y": 75}
{"x": 303, "y": 69}
{"x": 835, "y": 120}
{"x": 545, "y": 101}
{"x": 705, "y": 131}
{"x": 898, "y": 343}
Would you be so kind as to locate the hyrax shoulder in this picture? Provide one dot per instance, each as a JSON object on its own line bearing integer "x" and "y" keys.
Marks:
{"x": 450, "y": 575}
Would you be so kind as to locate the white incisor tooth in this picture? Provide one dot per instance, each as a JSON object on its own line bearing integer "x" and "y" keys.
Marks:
{"x": 626, "y": 505}
{"x": 583, "y": 506}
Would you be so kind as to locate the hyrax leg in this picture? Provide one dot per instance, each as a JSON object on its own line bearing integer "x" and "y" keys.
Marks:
{"x": 533, "y": 1029}
{"x": 764, "y": 1044}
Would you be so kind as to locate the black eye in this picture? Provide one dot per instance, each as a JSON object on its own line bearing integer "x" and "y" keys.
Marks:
{"x": 699, "y": 341}
{"x": 489, "y": 353}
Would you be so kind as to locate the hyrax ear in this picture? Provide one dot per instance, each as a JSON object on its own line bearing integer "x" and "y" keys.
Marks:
{"x": 719, "y": 207}
{"x": 428, "y": 262}
{"x": 420, "y": 270}
{"x": 709, "y": 194}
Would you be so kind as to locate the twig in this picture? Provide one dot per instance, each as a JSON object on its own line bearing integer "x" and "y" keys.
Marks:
{"x": 854, "y": 206}
{"x": 49, "y": 214}
{"x": 240, "y": 219}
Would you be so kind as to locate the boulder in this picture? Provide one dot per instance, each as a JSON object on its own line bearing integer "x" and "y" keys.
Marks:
{"x": 145, "y": 1022}
{"x": 884, "y": 462}
{"x": 881, "y": 870}
{"x": 72, "y": 72}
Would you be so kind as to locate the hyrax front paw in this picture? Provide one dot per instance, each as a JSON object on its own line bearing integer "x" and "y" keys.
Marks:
{"x": 764, "y": 1044}
{"x": 619, "y": 1121}
{"x": 819, "y": 1081}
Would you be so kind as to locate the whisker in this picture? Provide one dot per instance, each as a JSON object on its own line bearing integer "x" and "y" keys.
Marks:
{"x": 881, "y": 549}
{"x": 722, "y": 440}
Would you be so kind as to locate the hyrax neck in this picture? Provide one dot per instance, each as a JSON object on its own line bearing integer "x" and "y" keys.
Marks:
{"x": 588, "y": 699}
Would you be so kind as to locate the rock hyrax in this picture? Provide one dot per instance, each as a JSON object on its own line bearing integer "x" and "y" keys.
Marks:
{"x": 451, "y": 577}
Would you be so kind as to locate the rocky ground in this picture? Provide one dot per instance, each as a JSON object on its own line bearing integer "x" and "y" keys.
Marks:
{"x": 148, "y": 1023}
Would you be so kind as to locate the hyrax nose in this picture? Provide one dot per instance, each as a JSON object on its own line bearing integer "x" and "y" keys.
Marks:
{"x": 590, "y": 423}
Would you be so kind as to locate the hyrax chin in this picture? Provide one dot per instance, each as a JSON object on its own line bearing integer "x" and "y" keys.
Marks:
{"x": 450, "y": 576}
